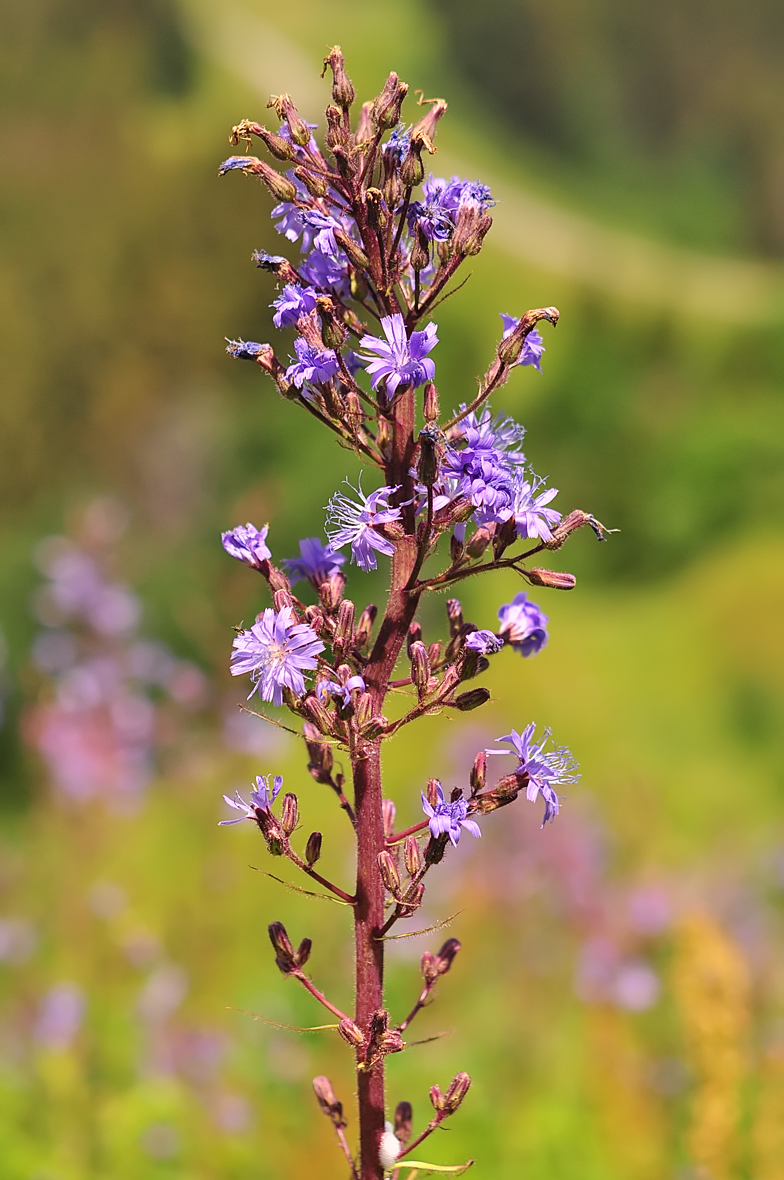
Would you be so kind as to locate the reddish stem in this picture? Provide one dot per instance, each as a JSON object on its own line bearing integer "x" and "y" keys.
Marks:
{"x": 314, "y": 991}
{"x": 398, "y": 836}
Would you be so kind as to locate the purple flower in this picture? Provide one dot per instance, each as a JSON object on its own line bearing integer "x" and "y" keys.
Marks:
{"x": 260, "y": 800}
{"x": 532, "y": 516}
{"x": 484, "y": 642}
{"x": 325, "y": 226}
{"x": 397, "y": 145}
{"x": 248, "y": 544}
{"x": 546, "y": 769}
{"x": 399, "y": 360}
{"x": 324, "y": 271}
{"x": 503, "y": 433}
{"x": 356, "y": 524}
{"x": 483, "y": 474}
{"x": 533, "y": 345}
{"x": 523, "y": 625}
{"x": 312, "y": 364}
{"x": 275, "y": 651}
{"x": 317, "y": 563}
{"x": 267, "y": 261}
{"x": 244, "y": 350}
{"x": 235, "y": 162}
{"x": 331, "y": 688}
{"x": 285, "y": 133}
{"x": 449, "y": 818}
{"x": 436, "y": 214}
{"x": 293, "y": 302}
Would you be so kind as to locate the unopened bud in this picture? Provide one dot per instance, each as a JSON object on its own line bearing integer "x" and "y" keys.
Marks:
{"x": 391, "y": 1042}
{"x": 282, "y": 599}
{"x": 276, "y": 144}
{"x": 343, "y": 92}
{"x": 420, "y": 252}
{"x": 281, "y": 943}
{"x": 455, "y": 615}
{"x": 412, "y": 856}
{"x": 479, "y": 773}
{"x": 329, "y": 1104}
{"x": 382, "y": 434}
{"x": 412, "y": 170}
{"x": 365, "y": 625}
{"x": 414, "y": 635}
{"x": 403, "y": 1119}
{"x": 420, "y": 667}
{"x": 458, "y": 1088}
{"x": 276, "y": 264}
{"x": 413, "y": 896}
{"x": 471, "y": 229}
{"x": 377, "y": 212}
{"x": 344, "y": 631}
{"x": 349, "y": 1032}
{"x": 315, "y": 184}
{"x": 430, "y": 972}
{"x": 478, "y": 542}
{"x": 427, "y": 466}
{"x": 318, "y": 714}
{"x": 289, "y": 813}
{"x": 302, "y": 953}
{"x": 287, "y": 113}
{"x": 336, "y": 134}
{"x": 385, "y": 112}
{"x": 431, "y": 408}
{"x": 431, "y": 791}
{"x": 375, "y": 727}
{"x": 364, "y": 130}
{"x": 434, "y": 653}
{"x": 446, "y": 956}
{"x": 281, "y": 187}
{"x": 277, "y": 579}
{"x": 319, "y": 753}
{"x": 363, "y": 709}
{"x": 356, "y": 255}
{"x": 553, "y": 578}
{"x": 354, "y": 415}
{"x": 437, "y": 1098}
{"x": 331, "y": 591}
{"x": 390, "y": 874}
{"x": 565, "y": 527}
{"x": 389, "y": 811}
{"x": 313, "y": 848}
{"x": 472, "y": 699}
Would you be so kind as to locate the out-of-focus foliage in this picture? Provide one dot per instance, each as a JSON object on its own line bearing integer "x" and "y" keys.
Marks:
{"x": 579, "y": 995}
{"x": 675, "y": 104}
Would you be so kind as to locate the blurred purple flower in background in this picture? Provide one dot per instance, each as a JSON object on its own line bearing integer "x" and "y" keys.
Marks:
{"x": 317, "y": 563}
{"x": 60, "y": 1016}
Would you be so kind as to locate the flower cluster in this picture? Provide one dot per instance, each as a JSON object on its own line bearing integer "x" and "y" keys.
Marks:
{"x": 379, "y": 247}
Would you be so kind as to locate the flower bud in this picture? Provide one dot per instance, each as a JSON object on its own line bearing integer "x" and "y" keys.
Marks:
{"x": 390, "y": 874}
{"x": 458, "y": 1088}
{"x": 391, "y": 1042}
{"x": 302, "y": 953}
{"x": 276, "y": 144}
{"x": 289, "y": 813}
{"x": 275, "y": 264}
{"x": 553, "y": 578}
{"x": 281, "y": 943}
{"x": 389, "y": 811}
{"x": 287, "y": 113}
{"x": 336, "y": 133}
{"x": 478, "y": 773}
{"x": 343, "y": 92}
{"x": 363, "y": 709}
{"x": 455, "y": 615}
{"x": 413, "y": 636}
{"x": 375, "y": 727}
{"x": 344, "y": 631}
{"x": 315, "y": 184}
{"x": 412, "y": 898}
{"x": 430, "y": 971}
{"x": 412, "y": 856}
{"x": 420, "y": 667}
{"x": 427, "y": 466}
{"x": 317, "y": 713}
{"x": 281, "y": 188}
{"x": 364, "y": 130}
{"x": 446, "y": 956}
{"x": 377, "y": 212}
{"x": 565, "y": 527}
{"x": 319, "y": 753}
{"x": 431, "y": 791}
{"x": 313, "y": 848}
{"x": 457, "y": 544}
{"x": 430, "y": 404}
{"x": 281, "y": 599}
{"x": 403, "y": 1118}
{"x": 329, "y": 1104}
{"x": 349, "y": 1032}
{"x": 356, "y": 255}
{"x": 479, "y": 542}
{"x": 471, "y": 699}
{"x": 354, "y": 414}
{"x": 331, "y": 591}
{"x": 437, "y": 1098}
{"x": 365, "y": 625}
{"x": 412, "y": 170}
{"x": 470, "y": 231}
{"x": 420, "y": 252}
{"x": 385, "y": 112}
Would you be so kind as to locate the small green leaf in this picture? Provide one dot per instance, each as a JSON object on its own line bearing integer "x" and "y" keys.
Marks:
{"x": 451, "y": 1169}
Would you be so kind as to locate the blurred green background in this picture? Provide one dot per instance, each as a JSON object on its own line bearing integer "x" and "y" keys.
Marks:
{"x": 619, "y": 1001}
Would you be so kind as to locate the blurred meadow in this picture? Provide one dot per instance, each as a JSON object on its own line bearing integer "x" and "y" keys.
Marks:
{"x": 619, "y": 1000}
